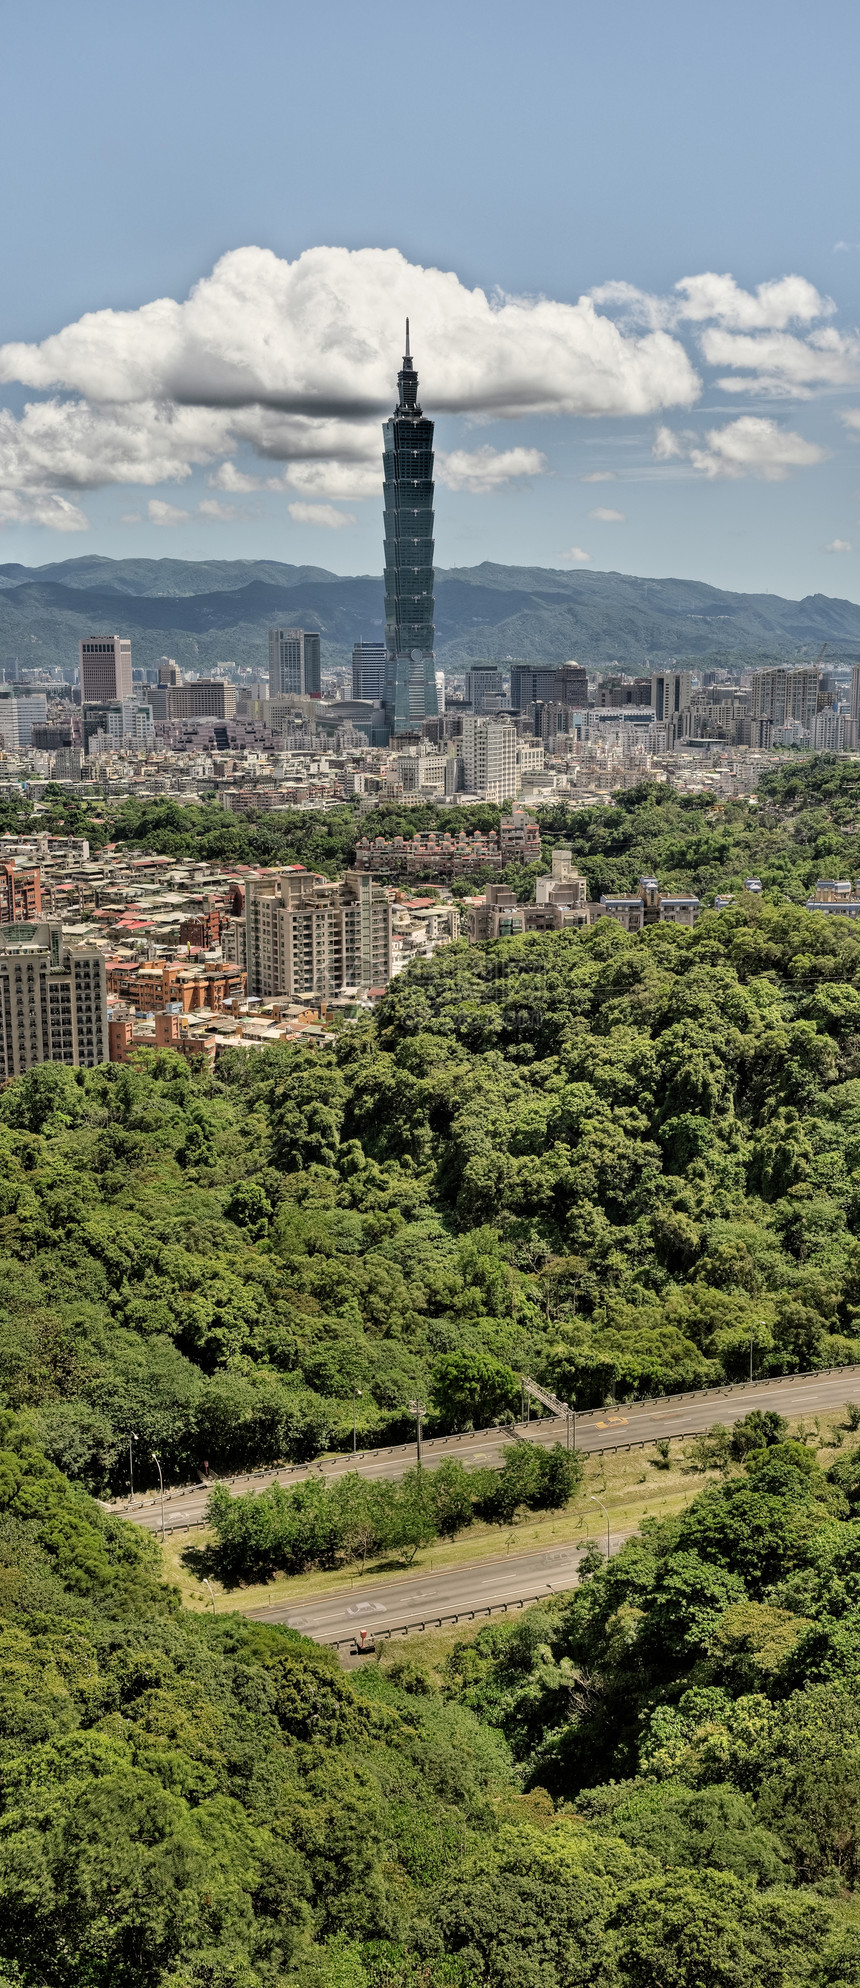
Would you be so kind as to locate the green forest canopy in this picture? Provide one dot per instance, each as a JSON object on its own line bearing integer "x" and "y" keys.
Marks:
{"x": 656, "y": 1779}
{"x": 612, "y": 1161}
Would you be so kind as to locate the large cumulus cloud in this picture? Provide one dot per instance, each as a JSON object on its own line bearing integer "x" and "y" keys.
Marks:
{"x": 289, "y": 366}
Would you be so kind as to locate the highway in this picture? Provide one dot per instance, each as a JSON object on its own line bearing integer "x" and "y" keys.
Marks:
{"x": 381, "y": 1609}
{"x": 636, "y": 1423}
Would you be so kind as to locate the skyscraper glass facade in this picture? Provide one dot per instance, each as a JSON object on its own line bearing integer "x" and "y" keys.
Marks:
{"x": 410, "y": 678}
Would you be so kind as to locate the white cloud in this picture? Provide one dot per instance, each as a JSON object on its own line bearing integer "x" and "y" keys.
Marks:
{"x": 667, "y": 443}
{"x": 576, "y": 556}
{"x": 131, "y": 518}
{"x": 788, "y": 300}
{"x": 599, "y": 476}
{"x": 166, "y": 514}
{"x": 746, "y": 331}
{"x": 228, "y": 477}
{"x": 851, "y": 417}
{"x": 838, "y": 545}
{"x": 212, "y": 508}
{"x": 778, "y": 363}
{"x": 78, "y": 446}
{"x": 750, "y": 446}
{"x": 41, "y": 507}
{"x": 339, "y": 479}
{"x": 608, "y": 517}
{"x": 293, "y": 363}
{"x": 488, "y": 469}
{"x": 320, "y": 514}
{"x": 318, "y": 337}
{"x": 713, "y": 299}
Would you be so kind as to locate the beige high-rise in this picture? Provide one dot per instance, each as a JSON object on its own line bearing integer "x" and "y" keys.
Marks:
{"x": 105, "y": 666}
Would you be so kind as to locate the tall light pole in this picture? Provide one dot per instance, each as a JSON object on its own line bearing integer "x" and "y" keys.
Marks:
{"x": 599, "y": 1501}
{"x": 418, "y": 1408}
{"x": 160, "y": 1486}
{"x": 132, "y": 1439}
{"x": 356, "y": 1396}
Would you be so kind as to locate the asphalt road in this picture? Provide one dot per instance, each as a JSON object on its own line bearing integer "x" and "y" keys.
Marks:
{"x": 384, "y": 1608}
{"x": 598, "y": 1429}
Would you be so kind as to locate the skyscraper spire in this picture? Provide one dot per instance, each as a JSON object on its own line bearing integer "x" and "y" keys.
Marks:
{"x": 409, "y": 693}
{"x": 407, "y": 383}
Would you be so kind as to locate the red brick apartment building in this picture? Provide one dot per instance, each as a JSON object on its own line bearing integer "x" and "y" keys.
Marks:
{"x": 20, "y": 895}
{"x": 153, "y": 985}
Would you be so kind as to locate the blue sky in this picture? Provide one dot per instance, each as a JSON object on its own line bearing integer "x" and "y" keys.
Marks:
{"x": 528, "y": 154}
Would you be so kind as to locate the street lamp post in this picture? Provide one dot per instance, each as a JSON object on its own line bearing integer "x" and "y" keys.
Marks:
{"x": 599, "y": 1501}
{"x": 160, "y": 1486}
{"x": 356, "y": 1396}
{"x": 132, "y": 1439}
{"x": 418, "y": 1408}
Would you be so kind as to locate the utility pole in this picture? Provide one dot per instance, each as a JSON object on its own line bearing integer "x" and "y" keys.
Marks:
{"x": 599, "y": 1501}
{"x": 356, "y": 1396}
{"x": 132, "y": 1439}
{"x": 161, "y": 1488}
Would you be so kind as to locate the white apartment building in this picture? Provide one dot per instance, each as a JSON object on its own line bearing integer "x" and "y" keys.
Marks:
{"x": 419, "y": 770}
{"x": 305, "y": 935}
{"x": 490, "y": 758}
{"x": 53, "y": 1000}
{"x": 530, "y": 756}
{"x": 564, "y": 880}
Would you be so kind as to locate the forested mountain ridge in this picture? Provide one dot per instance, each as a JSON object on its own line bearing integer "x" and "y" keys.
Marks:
{"x": 619, "y": 1162}
{"x": 611, "y": 1161}
{"x": 214, "y": 611}
{"x": 189, "y": 1801}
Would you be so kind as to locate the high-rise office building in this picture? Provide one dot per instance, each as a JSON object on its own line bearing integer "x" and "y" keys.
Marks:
{"x": 786, "y": 696}
{"x": 294, "y": 663}
{"x": 105, "y": 668}
{"x": 53, "y": 1000}
{"x": 368, "y": 671}
{"x": 484, "y": 687}
{"x": 18, "y": 715}
{"x": 548, "y": 683}
{"x": 855, "y": 704}
{"x": 671, "y": 691}
{"x": 410, "y": 677}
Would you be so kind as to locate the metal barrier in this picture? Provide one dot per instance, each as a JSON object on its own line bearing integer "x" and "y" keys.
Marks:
{"x": 273, "y": 1472}
{"x": 431, "y": 1622}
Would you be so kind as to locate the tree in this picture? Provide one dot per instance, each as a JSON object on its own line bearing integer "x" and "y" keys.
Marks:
{"x": 471, "y": 1390}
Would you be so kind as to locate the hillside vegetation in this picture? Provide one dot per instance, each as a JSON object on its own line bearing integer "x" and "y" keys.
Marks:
{"x": 655, "y": 1780}
{"x": 615, "y": 1162}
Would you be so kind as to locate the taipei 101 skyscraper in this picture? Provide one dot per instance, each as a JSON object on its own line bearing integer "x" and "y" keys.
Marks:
{"x": 410, "y": 677}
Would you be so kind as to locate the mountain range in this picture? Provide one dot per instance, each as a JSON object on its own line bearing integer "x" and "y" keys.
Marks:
{"x": 217, "y": 611}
